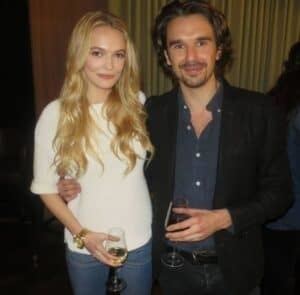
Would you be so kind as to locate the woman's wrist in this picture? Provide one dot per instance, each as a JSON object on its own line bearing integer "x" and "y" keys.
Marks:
{"x": 79, "y": 238}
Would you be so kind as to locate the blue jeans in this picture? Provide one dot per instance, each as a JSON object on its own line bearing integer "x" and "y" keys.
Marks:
{"x": 205, "y": 279}
{"x": 89, "y": 276}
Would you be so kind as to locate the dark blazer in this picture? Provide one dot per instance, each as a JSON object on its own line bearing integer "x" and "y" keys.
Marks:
{"x": 253, "y": 180}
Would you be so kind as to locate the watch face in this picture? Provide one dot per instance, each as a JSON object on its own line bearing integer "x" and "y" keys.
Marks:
{"x": 78, "y": 242}
{"x": 79, "y": 238}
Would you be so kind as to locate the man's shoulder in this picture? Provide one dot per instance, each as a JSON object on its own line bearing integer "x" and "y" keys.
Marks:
{"x": 246, "y": 96}
{"x": 162, "y": 100}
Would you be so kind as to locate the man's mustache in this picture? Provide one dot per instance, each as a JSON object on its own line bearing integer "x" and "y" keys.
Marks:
{"x": 193, "y": 65}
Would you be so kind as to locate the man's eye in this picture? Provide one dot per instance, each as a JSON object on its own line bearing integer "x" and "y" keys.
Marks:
{"x": 178, "y": 46}
{"x": 202, "y": 42}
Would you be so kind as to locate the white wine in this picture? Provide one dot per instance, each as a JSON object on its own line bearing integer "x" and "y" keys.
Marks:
{"x": 120, "y": 255}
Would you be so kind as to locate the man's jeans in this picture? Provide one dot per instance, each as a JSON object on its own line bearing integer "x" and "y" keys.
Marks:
{"x": 88, "y": 276}
{"x": 204, "y": 279}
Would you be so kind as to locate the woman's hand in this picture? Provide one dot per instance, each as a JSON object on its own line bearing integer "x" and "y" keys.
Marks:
{"x": 94, "y": 243}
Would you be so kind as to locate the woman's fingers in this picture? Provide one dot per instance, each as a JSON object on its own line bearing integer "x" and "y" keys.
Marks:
{"x": 104, "y": 257}
{"x": 95, "y": 242}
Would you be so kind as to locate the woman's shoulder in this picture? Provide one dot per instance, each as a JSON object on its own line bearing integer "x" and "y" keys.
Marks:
{"x": 49, "y": 115}
{"x": 142, "y": 97}
{"x": 51, "y": 108}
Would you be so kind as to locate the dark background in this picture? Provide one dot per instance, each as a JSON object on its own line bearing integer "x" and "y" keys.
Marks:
{"x": 17, "y": 101}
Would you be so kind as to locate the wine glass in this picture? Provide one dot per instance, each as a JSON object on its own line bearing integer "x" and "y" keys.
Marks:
{"x": 173, "y": 259}
{"x": 118, "y": 249}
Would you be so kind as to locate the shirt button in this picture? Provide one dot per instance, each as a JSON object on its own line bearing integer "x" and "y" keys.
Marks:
{"x": 185, "y": 107}
{"x": 219, "y": 110}
{"x": 198, "y": 155}
{"x": 198, "y": 183}
{"x": 188, "y": 127}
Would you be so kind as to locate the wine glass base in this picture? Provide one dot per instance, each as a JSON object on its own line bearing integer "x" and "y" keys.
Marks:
{"x": 116, "y": 286}
{"x": 172, "y": 260}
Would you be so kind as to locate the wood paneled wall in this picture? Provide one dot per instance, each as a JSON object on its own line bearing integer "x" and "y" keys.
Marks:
{"x": 51, "y": 23}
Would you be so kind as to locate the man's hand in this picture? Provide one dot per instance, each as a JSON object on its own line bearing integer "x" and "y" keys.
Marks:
{"x": 200, "y": 225}
{"x": 68, "y": 189}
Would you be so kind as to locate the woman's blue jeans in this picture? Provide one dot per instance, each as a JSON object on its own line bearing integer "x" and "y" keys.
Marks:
{"x": 89, "y": 276}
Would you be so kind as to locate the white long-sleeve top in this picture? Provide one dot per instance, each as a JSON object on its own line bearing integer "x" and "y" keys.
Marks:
{"x": 109, "y": 198}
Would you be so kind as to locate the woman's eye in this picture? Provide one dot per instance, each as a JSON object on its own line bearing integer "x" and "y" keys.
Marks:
{"x": 97, "y": 53}
{"x": 120, "y": 55}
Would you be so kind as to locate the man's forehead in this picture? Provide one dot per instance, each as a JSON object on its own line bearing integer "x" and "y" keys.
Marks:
{"x": 192, "y": 26}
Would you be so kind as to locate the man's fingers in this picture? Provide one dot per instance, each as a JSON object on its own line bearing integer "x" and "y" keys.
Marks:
{"x": 180, "y": 225}
{"x": 190, "y": 234}
{"x": 68, "y": 188}
{"x": 190, "y": 238}
{"x": 68, "y": 192}
{"x": 189, "y": 211}
{"x": 180, "y": 234}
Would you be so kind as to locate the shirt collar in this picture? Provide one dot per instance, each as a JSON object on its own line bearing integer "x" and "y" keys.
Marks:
{"x": 214, "y": 105}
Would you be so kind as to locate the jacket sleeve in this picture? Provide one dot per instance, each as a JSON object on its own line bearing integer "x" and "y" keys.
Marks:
{"x": 273, "y": 194}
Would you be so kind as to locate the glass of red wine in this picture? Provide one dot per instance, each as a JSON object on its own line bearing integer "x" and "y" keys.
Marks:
{"x": 173, "y": 259}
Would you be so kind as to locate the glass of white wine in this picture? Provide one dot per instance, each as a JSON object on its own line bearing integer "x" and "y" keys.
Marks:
{"x": 118, "y": 249}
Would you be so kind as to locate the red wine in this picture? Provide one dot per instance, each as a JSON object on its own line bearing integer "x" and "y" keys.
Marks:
{"x": 175, "y": 218}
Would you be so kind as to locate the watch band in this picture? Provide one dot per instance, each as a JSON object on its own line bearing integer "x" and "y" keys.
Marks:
{"x": 79, "y": 238}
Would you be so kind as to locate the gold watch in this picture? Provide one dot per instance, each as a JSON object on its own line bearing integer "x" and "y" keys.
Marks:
{"x": 79, "y": 238}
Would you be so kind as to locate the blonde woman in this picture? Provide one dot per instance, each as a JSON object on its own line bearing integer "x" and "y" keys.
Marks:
{"x": 95, "y": 132}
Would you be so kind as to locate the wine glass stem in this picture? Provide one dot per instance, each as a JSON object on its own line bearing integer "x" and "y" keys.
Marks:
{"x": 174, "y": 249}
{"x": 114, "y": 276}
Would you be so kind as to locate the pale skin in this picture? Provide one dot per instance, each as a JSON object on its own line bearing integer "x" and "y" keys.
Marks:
{"x": 102, "y": 70}
{"x": 192, "y": 53}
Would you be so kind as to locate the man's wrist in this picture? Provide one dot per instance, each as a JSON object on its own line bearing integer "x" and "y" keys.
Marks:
{"x": 224, "y": 220}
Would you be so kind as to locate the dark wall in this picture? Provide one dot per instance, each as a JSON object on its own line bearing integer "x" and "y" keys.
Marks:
{"x": 17, "y": 101}
{"x": 51, "y": 23}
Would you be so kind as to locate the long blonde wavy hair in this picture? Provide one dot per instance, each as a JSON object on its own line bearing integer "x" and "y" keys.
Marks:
{"x": 76, "y": 130}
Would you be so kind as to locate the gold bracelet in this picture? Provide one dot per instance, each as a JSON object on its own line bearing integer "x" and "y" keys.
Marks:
{"x": 79, "y": 238}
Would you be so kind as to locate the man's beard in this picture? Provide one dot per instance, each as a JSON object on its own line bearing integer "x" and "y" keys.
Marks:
{"x": 197, "y": 81}
{"x": 193, "y": 83}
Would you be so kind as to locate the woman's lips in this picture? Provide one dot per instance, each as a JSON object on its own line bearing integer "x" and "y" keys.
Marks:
{"x": 105, "y": 76}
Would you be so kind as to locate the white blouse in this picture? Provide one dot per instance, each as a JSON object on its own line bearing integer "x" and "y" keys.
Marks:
{"x": 108, "y": 197}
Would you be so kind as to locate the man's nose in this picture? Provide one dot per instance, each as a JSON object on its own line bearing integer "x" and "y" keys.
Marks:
{"x": 190, "y": 53}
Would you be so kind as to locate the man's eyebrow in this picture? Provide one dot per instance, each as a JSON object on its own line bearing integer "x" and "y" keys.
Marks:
{"x": 174, "y": 42}
{"x": 204, "y": 38}
{"x": 200, "y": 38}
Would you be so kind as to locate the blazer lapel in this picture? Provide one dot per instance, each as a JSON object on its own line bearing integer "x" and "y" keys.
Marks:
{"x": 227, "y": 122}
{"x": 171, "y": 136}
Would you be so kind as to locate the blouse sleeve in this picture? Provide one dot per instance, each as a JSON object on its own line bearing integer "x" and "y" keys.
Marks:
{"x": 44, "y": 172}
{"x": 142, "y": 97}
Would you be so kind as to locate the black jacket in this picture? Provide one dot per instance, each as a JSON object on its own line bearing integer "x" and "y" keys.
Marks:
{"x": 253, "y": 179}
